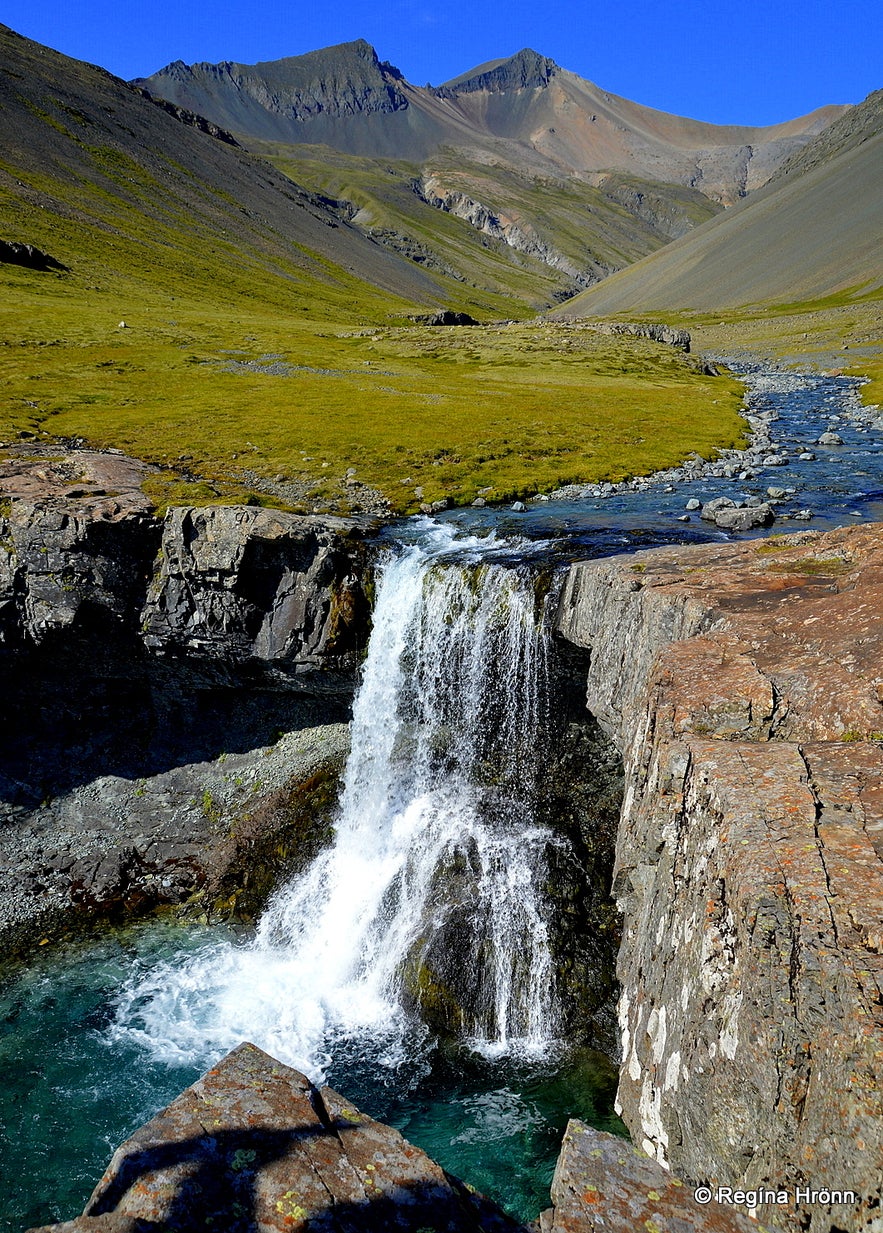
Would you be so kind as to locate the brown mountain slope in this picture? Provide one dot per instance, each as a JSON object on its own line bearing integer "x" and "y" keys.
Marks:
{"x": 525, "y": 111}
{"x": 816, "y": 230}
{"x": 110, "y": 184}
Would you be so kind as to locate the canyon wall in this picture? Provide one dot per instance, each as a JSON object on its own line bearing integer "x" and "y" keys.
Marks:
{"x": 176, "y": 693}
{"x": 743, "y": 684}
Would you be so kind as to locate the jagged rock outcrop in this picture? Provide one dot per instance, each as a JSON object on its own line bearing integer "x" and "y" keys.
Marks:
{"x": 175, "y": 693}
{"x": 190, "y": 118}
{"x": 240, "y": 585}
{"x": 669, "y": 334}
{"x": 517, "y": 232}
{"x": 526, "y": 70}
{"x": 254, "y": 1147}
{"x": 445, "y": 316}
{"x": 743, "y": 685}
{"x": 346, "y": 80}
{"x": 13, "y": 253}
{"x": 228, "y": 586}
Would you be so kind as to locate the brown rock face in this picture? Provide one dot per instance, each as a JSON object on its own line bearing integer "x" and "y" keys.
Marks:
{"x": 743, "y": 684}
{"x": 604, "y": 1185}
{"x": 253, "y": 1146}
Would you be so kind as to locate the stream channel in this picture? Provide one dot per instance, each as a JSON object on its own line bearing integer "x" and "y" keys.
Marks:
{"x": 433, "y": 902}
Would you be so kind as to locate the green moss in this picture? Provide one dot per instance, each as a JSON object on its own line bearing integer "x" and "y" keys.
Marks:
{"x": 825, "y": 567}
{"x": 433, "y": 998}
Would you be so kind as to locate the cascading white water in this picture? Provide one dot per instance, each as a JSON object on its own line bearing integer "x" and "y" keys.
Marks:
{"x": 432, "y": 880}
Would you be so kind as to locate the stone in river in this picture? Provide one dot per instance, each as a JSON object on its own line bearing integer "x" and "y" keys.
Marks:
{"x": 254, "y": 1147}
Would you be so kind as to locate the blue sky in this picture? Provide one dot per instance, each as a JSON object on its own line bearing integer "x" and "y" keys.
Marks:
{"x": 743, "y": 62}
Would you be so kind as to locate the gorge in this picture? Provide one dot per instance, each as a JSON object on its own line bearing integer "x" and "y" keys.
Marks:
{"x": 736, "y": 685}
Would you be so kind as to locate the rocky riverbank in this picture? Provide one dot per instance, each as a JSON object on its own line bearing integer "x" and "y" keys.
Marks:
{"x": 742, "y": 683}
{"x": 792, "y": 455}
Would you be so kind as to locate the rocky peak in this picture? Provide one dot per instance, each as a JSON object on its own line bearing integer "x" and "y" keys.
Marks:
{"x": 343, "y": 80}
{"x": 526, "y": 70}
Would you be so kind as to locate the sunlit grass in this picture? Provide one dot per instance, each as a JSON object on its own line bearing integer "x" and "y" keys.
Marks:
{"x": 513, "y": 409}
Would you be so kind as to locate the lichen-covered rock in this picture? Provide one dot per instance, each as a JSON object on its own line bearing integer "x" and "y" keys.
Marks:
{"x": 604, "y": 1185}
{"x": 743, "y": 684}
{"x": 254, "y": 1147}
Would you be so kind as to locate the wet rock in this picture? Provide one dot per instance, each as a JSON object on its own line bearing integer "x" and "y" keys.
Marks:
{"x": 729, "y": 516}
{"x": 742, "y": 684}
{"x": 693, "y": 504}
{"x": 830, "y": 438}
{"x": 711, "y": 508}
{"x": 211, "y": 839}
{"x": 745, "y": 518}
{"x": 254, "y": 1147}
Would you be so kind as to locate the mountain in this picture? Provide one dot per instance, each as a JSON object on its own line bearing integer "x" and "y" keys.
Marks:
{"x": 563, "y": 183}
{"x": 524, "y": 110}
{"x": 815, "y": 230}
{"x": 109, "y": 184}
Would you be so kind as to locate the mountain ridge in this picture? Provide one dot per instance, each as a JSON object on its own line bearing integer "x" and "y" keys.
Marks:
{"x": 524, "y": 110}
{"x": 89, "y": 163}
{"x": 814, "y": 231}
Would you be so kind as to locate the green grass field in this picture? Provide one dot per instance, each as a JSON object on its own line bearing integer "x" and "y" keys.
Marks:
{"x": 517, "y": 408}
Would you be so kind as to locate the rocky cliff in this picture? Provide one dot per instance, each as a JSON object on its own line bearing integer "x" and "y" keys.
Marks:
{"x": 743, "y": 685}
{"x": 175, "y": 691}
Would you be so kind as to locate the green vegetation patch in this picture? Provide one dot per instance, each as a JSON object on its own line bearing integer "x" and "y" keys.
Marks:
{"x": 224, "y": 395}
{"x": 872, "y": 390}
{"x": 823, "y": 567}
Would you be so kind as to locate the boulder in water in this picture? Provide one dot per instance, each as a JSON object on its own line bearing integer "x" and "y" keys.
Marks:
{"x": 254, "y": 1147}
{"x": 744, "y": 518}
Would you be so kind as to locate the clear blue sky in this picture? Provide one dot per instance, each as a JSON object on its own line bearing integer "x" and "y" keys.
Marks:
{"x": 743, "y": 61}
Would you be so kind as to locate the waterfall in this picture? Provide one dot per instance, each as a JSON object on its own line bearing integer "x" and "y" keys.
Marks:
{"x": 428, "y": 903}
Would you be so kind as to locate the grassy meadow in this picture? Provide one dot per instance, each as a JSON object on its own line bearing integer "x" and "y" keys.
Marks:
{"x": 267, "y": 349}
{"x": 224, "y": 392}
